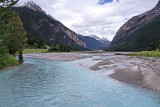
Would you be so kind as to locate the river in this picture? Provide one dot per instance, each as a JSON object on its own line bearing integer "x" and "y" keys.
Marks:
{"x": 44, "y": 83}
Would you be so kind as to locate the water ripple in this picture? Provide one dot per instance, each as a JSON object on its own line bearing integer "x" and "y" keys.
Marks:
{"x": 42, "y": 83}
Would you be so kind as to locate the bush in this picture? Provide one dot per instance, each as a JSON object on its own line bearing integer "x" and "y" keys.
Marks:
{"x": 7, "y": 60}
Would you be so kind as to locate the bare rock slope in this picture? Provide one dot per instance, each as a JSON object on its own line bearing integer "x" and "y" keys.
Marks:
{"x": 135, "y": 25}
{"x": 41, "y": 25}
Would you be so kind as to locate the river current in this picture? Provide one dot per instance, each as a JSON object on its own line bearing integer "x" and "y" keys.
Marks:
{"x": 43, "y": 83}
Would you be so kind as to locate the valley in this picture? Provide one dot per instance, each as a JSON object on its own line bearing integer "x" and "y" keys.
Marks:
{"x": 47, "y": 63}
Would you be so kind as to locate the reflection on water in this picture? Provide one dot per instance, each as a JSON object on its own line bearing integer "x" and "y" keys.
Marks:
{"x": 41, "y": 83}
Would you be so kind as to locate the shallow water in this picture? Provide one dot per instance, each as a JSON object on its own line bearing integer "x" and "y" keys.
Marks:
{"x": 42, "y": 83}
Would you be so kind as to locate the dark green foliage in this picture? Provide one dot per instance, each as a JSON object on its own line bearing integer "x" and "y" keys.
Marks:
{"x": 35, "y": 43}
{"x": 7, "y": 60}
{"x": 153, "y": 46}
{"x": 16, "y": 35}
{"x": 3, "y": 48}
{"x": 5, "y": 16}
{"x": 61, "y": 48}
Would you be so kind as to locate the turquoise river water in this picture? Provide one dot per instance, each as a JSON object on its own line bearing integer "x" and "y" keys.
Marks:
{"x": 43, "y": 83}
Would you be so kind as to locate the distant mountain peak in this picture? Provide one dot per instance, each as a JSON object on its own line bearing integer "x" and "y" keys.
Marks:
{"x": 94, "y": 43}
{"x": 95, "y": 37}
{"x": 33, "y": 6}
{"x": 103, "y": 38}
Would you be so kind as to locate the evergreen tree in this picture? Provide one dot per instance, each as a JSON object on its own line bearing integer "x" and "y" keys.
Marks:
{"x": 5, "y": 15}
{"x": 57, "y": 48}
{"x": 61, "y": 48}
{"x": 16, "y": 36}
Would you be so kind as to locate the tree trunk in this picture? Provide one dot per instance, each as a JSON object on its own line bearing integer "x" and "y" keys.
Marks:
{"x": 20, "y": 56}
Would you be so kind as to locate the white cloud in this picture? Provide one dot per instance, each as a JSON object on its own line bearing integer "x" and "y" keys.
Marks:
{"x": 87, "y": 17}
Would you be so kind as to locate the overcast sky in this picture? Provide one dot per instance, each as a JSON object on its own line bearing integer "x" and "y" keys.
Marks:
{"x": 94, "y": 17}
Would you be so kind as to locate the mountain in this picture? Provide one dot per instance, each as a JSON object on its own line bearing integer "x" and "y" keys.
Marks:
{"x": 139, "y": 32}
{"x": 105, "y": 41}
{"x": 42, "y": 26}
{"x": 95, "y": 43}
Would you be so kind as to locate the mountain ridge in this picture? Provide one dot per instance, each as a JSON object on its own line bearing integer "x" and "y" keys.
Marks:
{"x": 33, "y": 6}
{"x": 38, "y": 24}
{"x": 131, "y": 26}
{"x": 94, "y": 43}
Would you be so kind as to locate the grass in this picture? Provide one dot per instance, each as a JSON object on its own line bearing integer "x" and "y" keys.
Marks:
{"x": 146, "y": 54}
{"x": 47, "y": 50}
{"x": 7, "y": 60}
{"x": 35, "y": 51}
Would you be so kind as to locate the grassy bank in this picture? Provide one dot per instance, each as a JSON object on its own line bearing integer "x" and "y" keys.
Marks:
{"x": 35, "y": 51}
{"x": 146, "y": 54}
{"x": 7, "y": 60}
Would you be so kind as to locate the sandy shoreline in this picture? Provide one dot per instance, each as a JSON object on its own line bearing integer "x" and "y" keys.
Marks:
{"x": 143, "y": 72}
{"x": 58, "y": 56}
{"x": 138, "y": 71}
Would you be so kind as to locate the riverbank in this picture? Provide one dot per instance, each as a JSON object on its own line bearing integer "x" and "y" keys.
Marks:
{"x": 25, "y": 51}
{"x": 58, "y": 56}
{"x": 145, "y": 54}
{"x": 138, "y": 71}
{"x": 144, "y": 77}
{"x": 7, "y": 61}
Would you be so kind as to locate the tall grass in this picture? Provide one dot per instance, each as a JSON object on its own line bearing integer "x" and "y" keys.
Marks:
{"x": 146, "y": 54}
{"x": 35, "y": 51}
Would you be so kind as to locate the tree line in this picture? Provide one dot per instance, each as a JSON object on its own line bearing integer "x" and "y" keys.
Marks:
{"x": 154, "y": 46}
{"x": 35, "y": 43}
{"x": 61, "y": 48}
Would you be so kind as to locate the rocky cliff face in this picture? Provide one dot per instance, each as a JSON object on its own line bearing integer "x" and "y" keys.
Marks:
{"x": 133, "y": 25}
{"x": 37, "y": 23}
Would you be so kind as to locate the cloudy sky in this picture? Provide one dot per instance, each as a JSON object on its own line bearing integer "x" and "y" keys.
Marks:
{"x": 94, "y": 17}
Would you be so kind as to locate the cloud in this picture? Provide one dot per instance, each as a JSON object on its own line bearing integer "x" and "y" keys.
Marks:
{"x": 88, "y": 17}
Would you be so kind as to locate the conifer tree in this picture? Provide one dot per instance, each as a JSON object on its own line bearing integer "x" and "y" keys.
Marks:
{"x": 16, "y": 36}
{"x": 5, "y": 15}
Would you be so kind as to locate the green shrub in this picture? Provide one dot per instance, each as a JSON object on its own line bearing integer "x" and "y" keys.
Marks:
{"x": 7, "y": 60}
